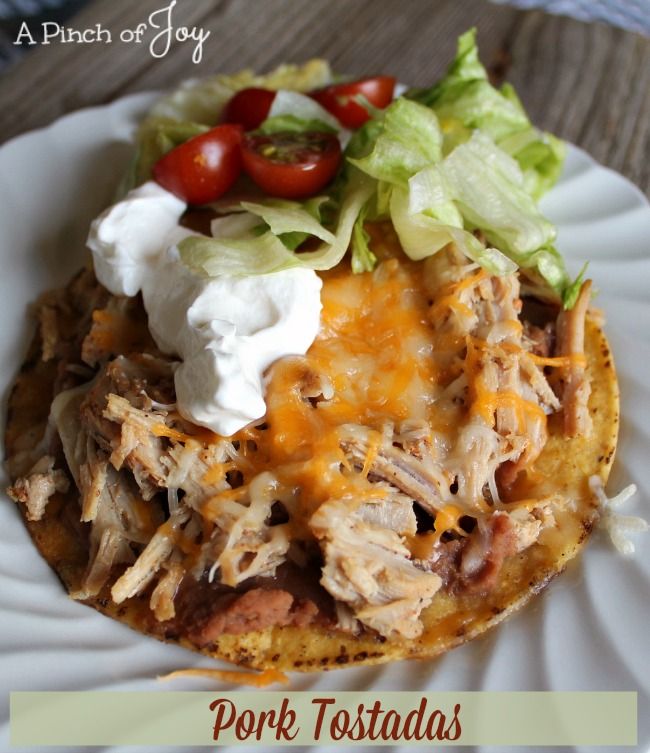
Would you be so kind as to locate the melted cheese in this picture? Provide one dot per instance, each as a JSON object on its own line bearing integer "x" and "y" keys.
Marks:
{"x": 205, "y": 436}
{"x": 216, "y": 473}
{"x": 162, "y": 430}
{"x": 423, "y": 545}
{"x": 375, "y": 349}
{"x": 448, "y": 519}
{"x": 375, "y": 362}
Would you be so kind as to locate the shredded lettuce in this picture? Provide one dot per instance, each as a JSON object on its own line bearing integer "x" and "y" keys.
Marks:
{"x": 488, "y": 188}
{"x": 464, "y": 94}
{"x": 430, "y": 193}
{"x": 441, "y": 163}
{"x": 289, "y": 217}
{"x": 408, "y": 140}
{"x": 422, "y": 235}
{"x": 550, "y": 265}
{"x": 251, "y": 254}
{"x": 363, "y": 140}
{"x": 540, "y": 158}
{"x": 464, "y": 100}
{"x": 571, "y": 293}
{"x": 203, "y": 100}
{"x": 277, "y": 215}
{"x": 295, "y": 238}
{"x": 239, "y": 224}
{"x": 434, "y": 200}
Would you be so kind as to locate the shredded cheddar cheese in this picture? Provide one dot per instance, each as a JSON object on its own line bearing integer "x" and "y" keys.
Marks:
{"x": 452, "y": 302}
{"x": 375, "y": 351}
{"x": 250, "y": 679}
{"x": 204, "y": 436}
{"x": 373, "y": 449}
{"x": 487, "y": 403}
{"x": 574, "y": 359}
{"x": 449, "y": 296}
{"x": 385, "y": 358}
{"x": 375, "y": 363}
{"x": 162, "y": 430}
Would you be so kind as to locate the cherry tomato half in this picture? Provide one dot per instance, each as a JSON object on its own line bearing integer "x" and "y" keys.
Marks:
{"x": 292, "y": 165}
{"x": 339, "y": 98}
{"x": 204, "y": 167}
{"x": 249, "y": 107}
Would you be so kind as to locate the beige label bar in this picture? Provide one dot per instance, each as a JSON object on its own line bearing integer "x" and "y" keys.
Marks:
{"x": 303, "y": 718}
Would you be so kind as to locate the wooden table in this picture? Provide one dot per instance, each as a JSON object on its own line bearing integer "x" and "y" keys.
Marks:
{"x": 588, "y": 83}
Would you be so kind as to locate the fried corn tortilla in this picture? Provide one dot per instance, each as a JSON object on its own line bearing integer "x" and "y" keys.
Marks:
{"x": 454, "y": 565}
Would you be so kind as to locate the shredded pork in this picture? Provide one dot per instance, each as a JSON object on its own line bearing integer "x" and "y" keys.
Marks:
{"x": 170, "y": 507}
{"x": 36, "y": 488}
{"x": 369, "y": 568}
{"x": 401, "y": 469}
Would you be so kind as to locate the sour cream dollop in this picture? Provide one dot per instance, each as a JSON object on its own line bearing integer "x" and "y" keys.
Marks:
{"x": 227, "y": 330}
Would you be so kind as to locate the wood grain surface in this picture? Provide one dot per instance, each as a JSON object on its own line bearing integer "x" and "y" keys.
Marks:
{"x": 588, "y": 83}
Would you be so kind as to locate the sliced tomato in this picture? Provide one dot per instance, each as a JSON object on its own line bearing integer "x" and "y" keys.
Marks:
{"x": 339, "y": 99}
{"x": 249, "y": 107}
{"x": 292, "y": 165}
{"x": 204, "y": 167}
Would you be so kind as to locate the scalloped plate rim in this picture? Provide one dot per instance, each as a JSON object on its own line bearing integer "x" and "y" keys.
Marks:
{"x": 129, "y": 107}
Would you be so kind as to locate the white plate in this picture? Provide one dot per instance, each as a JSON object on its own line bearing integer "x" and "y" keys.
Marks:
{"x": 588, "y": 631}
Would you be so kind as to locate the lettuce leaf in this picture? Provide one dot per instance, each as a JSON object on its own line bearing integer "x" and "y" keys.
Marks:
{"x": 571, "y": 293}
{"x": 408, "y": 139}
{"x": 429, "y": 192}
{"x": 421, "y": 234}
{"x": 433, "y": 201}
{"x": 249, "y": 254}
{"x": 363, "y": 139}
{"x": 487, "y": 186}
{"x": 363, "y": 259}
{"x": 464, "y": 100}
{"x": 277, "y": 215}
{"x": 291, "y": 217}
